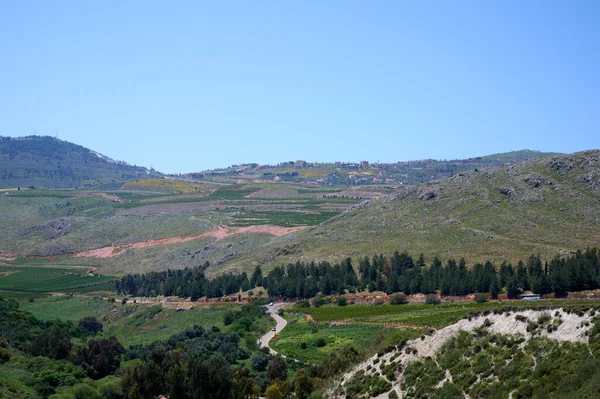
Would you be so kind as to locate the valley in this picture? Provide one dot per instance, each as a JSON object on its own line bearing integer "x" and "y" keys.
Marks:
{"x": 384, "y": 283}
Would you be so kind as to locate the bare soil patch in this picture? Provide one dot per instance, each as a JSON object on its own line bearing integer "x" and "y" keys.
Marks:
{"x": 219, "y": 234}
{"x": 7, "y": 256}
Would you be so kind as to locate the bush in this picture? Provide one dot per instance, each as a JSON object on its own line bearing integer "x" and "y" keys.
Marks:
{"x": 302, "y": 304}
{"x": 317, "y": 303}
{"x": 4, "y": 356}
{"x": 398, "y": 299}
{"x": 228, "y": 318}
{"x": 259, "y": 361}
{"x": 321, "y": 343}
{"x": 303, "y": 345}
{"x": 100, "y": 357}
{"x": 91, "y": 324}
{"x": 341, "y": 301}
{"x": 432, "y": 299}
{"x": 480, "y": 298}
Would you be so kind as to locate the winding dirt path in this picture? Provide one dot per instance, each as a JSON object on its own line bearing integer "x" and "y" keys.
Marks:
{"x": 219, "y": 234}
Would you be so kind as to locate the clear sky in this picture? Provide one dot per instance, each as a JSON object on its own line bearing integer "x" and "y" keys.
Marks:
{"x": 188, "y": 86}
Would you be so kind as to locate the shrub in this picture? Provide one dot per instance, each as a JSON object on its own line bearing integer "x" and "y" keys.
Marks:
{"x": 228, "y": 318}
{"x": 259, "y": 361}
{"x": 432, "y": 299}
{"x": 100, "y": 357}
{"x": 521, "y": 318}
{"x": 398, "y": 299}
{"x": 4, "y": 356}
{"x": 480, "y": 298}
{"x": 91, "y": 324}
{"x": 544, "y": 318}
{"x": 303, "y": 345}
{"x": 302, "y": 304}
{"x": 317, "y": 303}
{"x": 320, "y": 343}
{"x": 341, "y": 301}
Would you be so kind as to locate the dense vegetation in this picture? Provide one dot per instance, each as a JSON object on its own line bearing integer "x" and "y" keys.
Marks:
{"x": 66, "y": 360}
{"x": 190, "y": 282}
{"x": 399, "y": 273}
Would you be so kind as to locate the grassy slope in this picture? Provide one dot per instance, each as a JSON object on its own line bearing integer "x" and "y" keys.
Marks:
{"x": 300, "y": 331}
{"x": 470, "y": 217}
{"x": 132, "y": 323}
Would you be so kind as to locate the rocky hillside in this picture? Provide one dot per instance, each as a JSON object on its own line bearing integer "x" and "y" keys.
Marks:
{"x": 500, "y": 354}
{"x": 43, "y": 161}
{"x": 546, "y": 205}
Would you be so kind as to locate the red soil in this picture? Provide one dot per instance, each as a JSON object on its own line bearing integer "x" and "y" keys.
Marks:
{"x": 219, "y": 234}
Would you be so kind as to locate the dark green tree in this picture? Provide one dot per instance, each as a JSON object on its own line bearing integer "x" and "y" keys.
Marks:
{"x": 277, "y": 369}
{"x": 303, "y": 385}
{"x": 53, "y": 342}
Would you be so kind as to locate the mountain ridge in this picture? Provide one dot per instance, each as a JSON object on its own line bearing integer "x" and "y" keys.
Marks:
{"x": 44, "y": 161}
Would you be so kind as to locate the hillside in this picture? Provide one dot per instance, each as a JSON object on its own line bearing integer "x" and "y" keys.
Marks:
{"x": 43, "y": 161}
{"x": 361, "y": 173}
{"x": 546, "y": 205}
{"x": 528, "y": 353}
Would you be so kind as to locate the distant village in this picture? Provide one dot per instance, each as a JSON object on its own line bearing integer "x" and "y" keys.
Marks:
{"x": 340, "y": 173}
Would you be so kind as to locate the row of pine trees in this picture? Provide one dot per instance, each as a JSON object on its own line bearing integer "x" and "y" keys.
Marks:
{"x": 398, "y": 273}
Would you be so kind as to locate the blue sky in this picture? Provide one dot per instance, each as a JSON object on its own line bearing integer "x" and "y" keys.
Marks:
{"x": 188, "y": 86}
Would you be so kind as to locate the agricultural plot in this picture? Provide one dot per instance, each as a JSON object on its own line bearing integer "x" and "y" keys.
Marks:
{"x": 284, "y": 219}
{"x": 24, "y": 281}
{"x": 312, "y": 342}
{"x": 171, "y": 186}
{"x": 424, "y": 315}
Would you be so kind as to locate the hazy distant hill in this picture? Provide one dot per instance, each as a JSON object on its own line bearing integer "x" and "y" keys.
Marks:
{"x": 43, "y": 161}
{"x": 547, "y": 205}
{"x": 362, "y": 173}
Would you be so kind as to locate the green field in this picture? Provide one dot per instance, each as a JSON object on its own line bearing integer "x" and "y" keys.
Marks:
{"x": 421, "y": 314}
{"x": 130, "y": 323}
{"x": 33, "y": 281}
{"x": 285, "y": 219}
{"x": 299, "y": 331}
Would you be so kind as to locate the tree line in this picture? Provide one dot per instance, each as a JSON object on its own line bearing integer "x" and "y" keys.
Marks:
{"x": 398, "y": 273}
